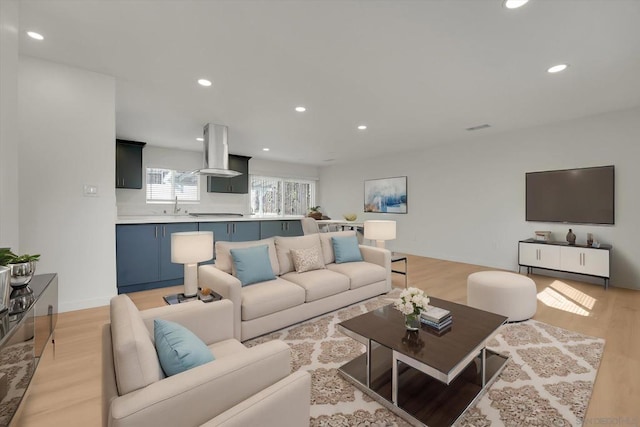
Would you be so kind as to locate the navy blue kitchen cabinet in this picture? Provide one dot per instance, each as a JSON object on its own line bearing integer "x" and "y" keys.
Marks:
{"x": 280, "y": 228}
{"x": 238, "y": 184}
{"x": 129, "y": 164}
{"x": 143, "y": 256}
{"x": 240, "y": 231}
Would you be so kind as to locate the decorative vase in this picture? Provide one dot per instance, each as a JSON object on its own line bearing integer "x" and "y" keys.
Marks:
{"x": 412, "y": 321}
{"x": 21, "y": 273}
{"x": 571, "y": 238}
{"x": 21, "y": 296}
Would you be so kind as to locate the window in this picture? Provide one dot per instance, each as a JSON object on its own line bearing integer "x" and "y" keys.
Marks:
{"x": 164, "y": 185}
{"x": 281, "y": 196}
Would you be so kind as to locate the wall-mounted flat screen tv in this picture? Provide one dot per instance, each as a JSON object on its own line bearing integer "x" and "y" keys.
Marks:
{"x": 576, "y": 196}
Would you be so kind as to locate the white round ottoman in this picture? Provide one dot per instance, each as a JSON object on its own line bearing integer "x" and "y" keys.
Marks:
{"x": 509, "y": 294}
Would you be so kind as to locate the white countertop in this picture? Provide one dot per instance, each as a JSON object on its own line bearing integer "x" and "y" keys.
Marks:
{"x": 165, "y": 219}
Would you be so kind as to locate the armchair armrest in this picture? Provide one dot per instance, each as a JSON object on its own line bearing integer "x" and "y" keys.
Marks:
{"x": 227, "y": 286}
{"x": 287, "y": 403}
{"x": 211, "y": 322}
{"x": 198, "y": 395}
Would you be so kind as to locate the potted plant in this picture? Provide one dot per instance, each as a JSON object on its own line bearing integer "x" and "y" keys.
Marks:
{"x": 22, "y": 266}
{"x": 314, "y": 212}
{"x": 6, "y": 255}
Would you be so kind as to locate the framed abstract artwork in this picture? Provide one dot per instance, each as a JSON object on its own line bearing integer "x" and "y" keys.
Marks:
{"x": 386, "y": 195}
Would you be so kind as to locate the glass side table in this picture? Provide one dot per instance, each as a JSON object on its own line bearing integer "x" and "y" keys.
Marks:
{"x": 397, "y": 257}
{"x": 179, "y": 298}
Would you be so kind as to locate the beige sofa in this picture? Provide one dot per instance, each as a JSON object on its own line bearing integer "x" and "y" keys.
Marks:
{"x": 241, "y": 387}
{"x": 293, "y": 297}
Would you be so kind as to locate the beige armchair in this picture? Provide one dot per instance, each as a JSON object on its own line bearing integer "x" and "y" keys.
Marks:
{"x": 241, "y": 387}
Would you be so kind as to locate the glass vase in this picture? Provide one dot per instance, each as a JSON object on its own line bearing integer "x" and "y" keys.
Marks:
{"x": 412, "y": 321}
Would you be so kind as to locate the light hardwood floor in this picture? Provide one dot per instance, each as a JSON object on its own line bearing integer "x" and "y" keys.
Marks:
{"x": 66, "y": 388}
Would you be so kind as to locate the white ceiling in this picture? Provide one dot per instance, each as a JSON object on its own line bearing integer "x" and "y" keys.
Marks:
{"x": 416, "y": 72}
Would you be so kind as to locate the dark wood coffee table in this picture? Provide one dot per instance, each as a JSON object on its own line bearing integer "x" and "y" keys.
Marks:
{"x": 426, "y": 377}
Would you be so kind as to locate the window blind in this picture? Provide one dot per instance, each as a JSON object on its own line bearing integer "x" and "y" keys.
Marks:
{"x": 164, "y": 185}
{"x": 281, "y": 196}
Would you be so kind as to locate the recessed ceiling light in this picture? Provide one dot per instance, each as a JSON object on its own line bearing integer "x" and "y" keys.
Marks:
{"x": 265, "y": 149}
{"x": 557, "y": 68}
{"x": 362, "y": 127}
{"x": 200, "y": 139}
{"x": 34, "y": 35}
{"x": 514, "y": 4}
{"x": 301, "y": 109}
{"x": 204, "y": 82}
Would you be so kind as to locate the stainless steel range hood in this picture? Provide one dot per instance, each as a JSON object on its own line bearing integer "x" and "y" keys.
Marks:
{"x": 216, "y": 152}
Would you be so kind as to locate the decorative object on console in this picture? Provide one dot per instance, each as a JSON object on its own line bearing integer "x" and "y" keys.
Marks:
{"x": 350, "y": 216}
{"x": 543, "y": 236}
{"x": 21, "y": 268}
{"x": 380, "y": 230}
{"x": 411, "y": 302}
{"x": 386, "y": 195}
{"x": 571, "y": 237}
{"x": 5, "y": 289}
{"x": 190, "y": 248}
{"x": 589, "y": 239}
{"x": 314, "y": 212}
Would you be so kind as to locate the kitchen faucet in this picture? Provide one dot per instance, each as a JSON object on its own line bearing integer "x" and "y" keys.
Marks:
{"x": 176, "y": 209}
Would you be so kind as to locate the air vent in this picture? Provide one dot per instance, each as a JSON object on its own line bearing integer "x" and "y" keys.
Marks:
{"x": 484, "y": 126}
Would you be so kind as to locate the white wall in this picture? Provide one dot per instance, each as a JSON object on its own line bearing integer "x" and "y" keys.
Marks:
{"x": 9, "y": 231}
{"x": 466, "y": 201}
{"x": 133, "y": 202}
{"x": 67, "y": 133}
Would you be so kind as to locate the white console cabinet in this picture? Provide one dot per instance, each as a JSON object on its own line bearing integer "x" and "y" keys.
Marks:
{"x": 539, "y": 255}
{"x": 559, "y": 256}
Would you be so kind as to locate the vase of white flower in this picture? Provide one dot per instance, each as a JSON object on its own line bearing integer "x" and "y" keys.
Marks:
{"x": 411, "y": 302}
{"x": 412, "y": 321}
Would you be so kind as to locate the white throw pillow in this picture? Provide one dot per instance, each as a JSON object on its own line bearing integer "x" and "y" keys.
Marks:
{"x": 307, "y": 259}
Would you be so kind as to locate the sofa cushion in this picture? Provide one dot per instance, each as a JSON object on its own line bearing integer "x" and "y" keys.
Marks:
{"x": 360, "y": 273}
{"x": 224, "y": 261}
{"x": 327, "y": 244}
{"x": 269, "y": 297}
{"x": 307, "y": 259}
{"x": 134, "y": 355}
{"x": 319, "y": 284}
{"x": 346, "y": 249}
{"x": 285, "y": 244}
{"x": 252, "y": 265}
{"x": 178, "y": 348}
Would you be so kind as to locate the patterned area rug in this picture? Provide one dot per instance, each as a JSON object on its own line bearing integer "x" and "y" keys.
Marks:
{"x": 547, "y": 382}
{"x": 16, "y": 363}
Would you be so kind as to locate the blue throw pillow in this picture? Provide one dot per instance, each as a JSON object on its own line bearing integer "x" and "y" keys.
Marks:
{"x": 178, "y": 348}
{"x": 346, "y": 249}
{"x": 252, "y": 264}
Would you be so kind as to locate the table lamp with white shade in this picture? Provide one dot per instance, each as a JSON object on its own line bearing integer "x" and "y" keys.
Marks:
{"x": 190, "y": 248}
{"x": 379, "y": 230}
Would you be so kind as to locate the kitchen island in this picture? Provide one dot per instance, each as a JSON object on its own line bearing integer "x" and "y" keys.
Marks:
{"x": 143, "y": 243}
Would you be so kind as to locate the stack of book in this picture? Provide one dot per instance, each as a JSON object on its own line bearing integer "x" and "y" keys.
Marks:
{"x": 436, "y": 318}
